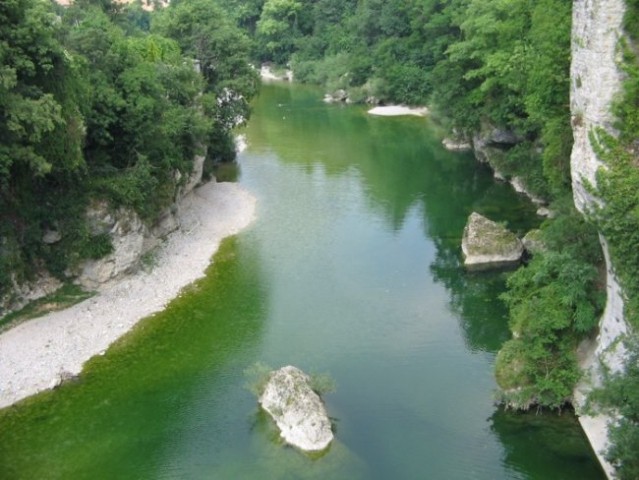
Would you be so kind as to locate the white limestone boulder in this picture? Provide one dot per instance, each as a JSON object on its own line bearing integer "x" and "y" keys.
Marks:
{"x": 297, "y": 410}
{"x": 487, "y": 244}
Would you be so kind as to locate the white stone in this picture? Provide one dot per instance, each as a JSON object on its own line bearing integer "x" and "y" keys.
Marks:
{"x": 51, "y": 236}
{"x": 297, "y": 410}
{"x": 456, "y": 145}
{"x": 398, "y": 110}
{"x": 488, "y": 244}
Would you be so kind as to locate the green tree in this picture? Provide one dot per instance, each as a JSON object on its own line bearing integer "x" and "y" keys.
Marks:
{"x": 278, "y": 28}
{"x": 206, "y": 34}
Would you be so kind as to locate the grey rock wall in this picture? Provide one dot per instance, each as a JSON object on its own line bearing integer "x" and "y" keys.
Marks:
{"x": 595, "y": 81}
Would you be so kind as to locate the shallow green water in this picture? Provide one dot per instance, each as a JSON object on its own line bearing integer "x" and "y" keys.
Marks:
{"x": 352, "y": 268}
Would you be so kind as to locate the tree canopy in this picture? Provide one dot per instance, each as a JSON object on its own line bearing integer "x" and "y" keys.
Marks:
{"x": 95, "y": 102}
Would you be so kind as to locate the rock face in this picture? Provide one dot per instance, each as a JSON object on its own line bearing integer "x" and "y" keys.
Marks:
{"x": 533, "y": 242}
{"x": 492, "y": 140}
{"x": 23, "y": 293}
{"x": 130, "y": 237}
{"x": 297, "y": 410}
{"x": 595, "y": 80}
{"x": 487, "y": 244}
{"x": 456, "y": 144}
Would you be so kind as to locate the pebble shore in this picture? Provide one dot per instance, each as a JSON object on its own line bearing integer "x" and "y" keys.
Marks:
{"x": 38, "y": 354}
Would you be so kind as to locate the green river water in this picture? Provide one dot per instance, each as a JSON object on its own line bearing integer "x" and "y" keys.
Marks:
{"x": 351, "y": 268}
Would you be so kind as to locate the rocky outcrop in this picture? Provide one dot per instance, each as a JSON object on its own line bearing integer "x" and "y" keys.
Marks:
{"x": 23, "y": 293}
{"x": 491, "y": 141}
{"x": 487, "y": 244}
{"x": 595, "y": 81}
{"x": 533, "y": 242}
{"x": 130, "y": 237}
{"x": 338, "y": 96}
{"x": 297, "y": 410}
{"x": 127, "y": 233}
{"x": 455, "y": 144}
{"x": 267, "y": 74}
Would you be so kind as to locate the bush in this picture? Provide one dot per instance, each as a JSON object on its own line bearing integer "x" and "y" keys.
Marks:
{"x": 620, "y": 395}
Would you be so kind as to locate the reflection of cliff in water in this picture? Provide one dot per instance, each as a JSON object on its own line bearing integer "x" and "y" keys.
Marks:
{"x": 560, "y": 439}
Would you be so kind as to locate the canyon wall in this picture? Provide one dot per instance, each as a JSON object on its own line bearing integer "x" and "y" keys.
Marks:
{"x": 595, "y": 81}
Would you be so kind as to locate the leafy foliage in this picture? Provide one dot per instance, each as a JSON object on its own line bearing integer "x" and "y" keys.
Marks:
{"x": 621, "y": 397}
{"x": 93, "y": 105}
{"x": 554, "y": 302}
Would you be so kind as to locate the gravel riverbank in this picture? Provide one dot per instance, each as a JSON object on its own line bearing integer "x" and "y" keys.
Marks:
{"x": 35, "y": 355}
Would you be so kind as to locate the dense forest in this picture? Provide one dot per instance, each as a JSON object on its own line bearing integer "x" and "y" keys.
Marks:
{"x": 99, "y": 100}
{"x": 96, "y": 103}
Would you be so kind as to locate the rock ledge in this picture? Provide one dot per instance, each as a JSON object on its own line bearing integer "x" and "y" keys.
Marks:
{"x": 487, "y": 244}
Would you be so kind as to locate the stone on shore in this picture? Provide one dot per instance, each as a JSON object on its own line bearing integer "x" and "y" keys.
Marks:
{"x": 456, "y": 144}
{"x": 487, "y": 244}
{"x": 297, "y": 410}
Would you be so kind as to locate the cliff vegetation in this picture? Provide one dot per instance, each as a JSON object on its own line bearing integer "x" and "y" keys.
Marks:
{"x": 100, "y": 101}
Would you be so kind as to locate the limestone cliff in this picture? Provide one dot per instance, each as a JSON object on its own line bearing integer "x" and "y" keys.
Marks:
{"x": 595, "y": 81}
{"x": 130, "y": 237}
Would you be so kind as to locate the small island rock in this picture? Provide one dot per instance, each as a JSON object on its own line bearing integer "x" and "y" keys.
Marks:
{"x": 297, "y": 410}
{"x": 487, "y": 244}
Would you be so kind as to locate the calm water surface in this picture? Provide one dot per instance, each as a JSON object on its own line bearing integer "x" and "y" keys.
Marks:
{"x": 352, "y": 268}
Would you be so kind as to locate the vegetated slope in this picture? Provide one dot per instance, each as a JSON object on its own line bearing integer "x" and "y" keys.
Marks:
{"x": 96, "y": 106}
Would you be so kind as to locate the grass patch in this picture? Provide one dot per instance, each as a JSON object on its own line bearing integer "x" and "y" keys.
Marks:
{"x": 66, "y": 296}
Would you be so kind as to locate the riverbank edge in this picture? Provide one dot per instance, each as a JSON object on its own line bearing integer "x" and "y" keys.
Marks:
{"x": 39, "y": 354}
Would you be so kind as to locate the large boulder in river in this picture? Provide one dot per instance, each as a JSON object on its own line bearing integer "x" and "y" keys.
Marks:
{"x": 487, "y": 244}
{"x": 297, "y": 410}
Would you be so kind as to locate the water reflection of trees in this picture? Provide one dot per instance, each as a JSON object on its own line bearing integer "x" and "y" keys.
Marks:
{"x": 473, "y": 298}
{"x": 402, "y": 165}
{"x": 561, "y": 448}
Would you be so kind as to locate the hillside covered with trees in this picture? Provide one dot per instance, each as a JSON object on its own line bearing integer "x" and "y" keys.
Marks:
{"x": 98, "y": 102}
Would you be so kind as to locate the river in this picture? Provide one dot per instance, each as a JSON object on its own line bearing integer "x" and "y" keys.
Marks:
{"x": 352, "y": 268}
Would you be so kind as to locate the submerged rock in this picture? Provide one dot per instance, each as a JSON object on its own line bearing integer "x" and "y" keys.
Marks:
{"x": 297, "y": 410}
{"x": 487, "y": 244}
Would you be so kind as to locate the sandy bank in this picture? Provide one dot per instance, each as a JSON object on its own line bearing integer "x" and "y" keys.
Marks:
{"x": 267, "y": 74}
{"x": 398, "y": 110}
{"x": 34, "y": 354}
